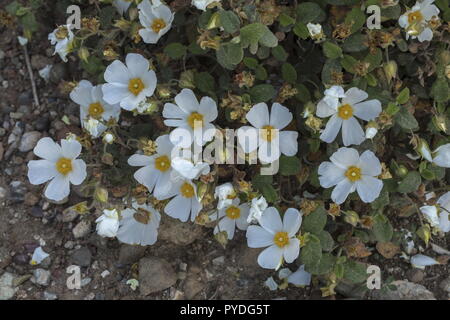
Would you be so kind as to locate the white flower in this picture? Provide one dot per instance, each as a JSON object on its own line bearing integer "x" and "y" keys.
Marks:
{"x": 343, "y": 114}
{"x": 59, "y": 165}
{"x": 232, "y": 216}
{"x": 39, "y": 255}
{"x": 22, "y": 40}
{"x": 62, "y": 37}
{"x": 139, "y": 225}
{"x": 156, "y": 18}
{"x": 266, "y": 133}
{"x": 108, "y": 138}
{"x": 271, "y": 284}
{"x": 278, "y": 236}
{"x": 122, "y": 5}
{"x": 349, "y": 172}
{"x": 108, "y": 223}
{"x": 438, "y": 216}
{"x": 185, "y": 203}
{"x": 192, "y": 119}
{"x": 93, "y": 107}
{"x": 444, "y": 204}
{"x": 157, "y": 173}
{"x": 129, "y": 84}
{"x": 225, "y": 194}
{"x": 202, "y": 4}
{"x": 415, "y": 21}
{"x": 315, "y": 30}
{"x": 421, "y": 261}
{"x": 257, "y": 208}
{"x": 298, "y": 278}
{"x": 44, "y": 73}
{"x": 441, "y": 156}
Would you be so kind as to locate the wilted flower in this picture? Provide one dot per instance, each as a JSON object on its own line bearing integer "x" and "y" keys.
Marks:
{"x": 59, "y": 165}
{"x": 62, "y": 37}
{"x": 315, "y": 31}
{"x": 225, "y": 194}
{"x": 257, "y": 208}
{"x": 349, "y": 172}
{"x": 416, "y": 21}
{"x": 139, "y": 225}
{"x": 108, "y": 223}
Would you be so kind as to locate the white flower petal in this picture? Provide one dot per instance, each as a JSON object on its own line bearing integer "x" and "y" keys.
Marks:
{"x": 147, "y": 176}
{"x": 270, "y": 258}
{"x": 40, "y": 171}
{"x": 227, "y": 225}
{"x": 345, "y": 157}
{"x": 208, "y": 108}
{"x": 179, "y": 208}
{"x": 330, "y": 174}
{"x": 288, "y": 143}
{"x": 258, "y": 115}
{"x": 324, "y": 110}
{"x": 442, "y": 156}
{"x": 292, "y": 250}
{"x": 354, "y": 95}
{"x": 70, "y": 149}
{"x": 421, "y": 261}
{"x": 369, "y": 188}
{"x": 78, "y": 173}
{"x": 280, "y": 116}
{"x": 117, "y": 72}
{"x": 341, "y": 191}
{"x": 352, "y": 133}
{"x": 271, "y": 220}
{"x": 58, "y": 188}
{"x": 137, "y": 65}
{"x": 140, "y": 160}
{"x": 47, "y": 149}
{"x": 187, "y": 101}
{"x": 248, "y": 138}
{"x": 292, "y": 221}
{"x": 367, "y": 110}
{"x": 425, "y": 35}
{"x": 82, "y": 93}
{"x": 369, "y": 164}
{"x": 258, "y": 237}
{"x": 114, "y": 93}
{"x": 331, "y": 129}
{"x": 300, "y": 277}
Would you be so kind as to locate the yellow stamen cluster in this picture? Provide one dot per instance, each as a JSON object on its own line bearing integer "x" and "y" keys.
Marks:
{"x": 162, "y": 163}
{"x": 135, "y": 86}
{"x": 233, "y": 212}
{"x": 345, "y": 111}
{"x": 64, "y": 166}
{"x": 353, "y": 174}
{"x": 195, "y": 120}
{"x": 95, "y": 110}
{"x": 281, "y": 239}
{"x": 157, "y": 25}
{"x": 268, "y": 133}
{"x": 187, "y": 190}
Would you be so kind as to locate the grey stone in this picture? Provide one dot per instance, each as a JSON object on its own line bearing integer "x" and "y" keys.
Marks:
{"x": 29, "y": 141}
{"x": 155, "y": 274}
{"x": 130, "y": 254}
{"x": 7, "y": 290}
{"x": 445, "y": 285}
{"x": 82, "y": 257}
{"x": 82, "y": 229}
{"x": 41, "y": 277}
{"x": 179, "y": 233}
{"x": 405, "y": 291}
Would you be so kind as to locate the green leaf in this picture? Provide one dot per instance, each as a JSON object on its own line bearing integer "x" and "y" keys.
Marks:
{"x": 315, "y": 221}
{"x": 289, "y": 165}
{"x": 279, "y": 53}
{"x": 325, "y": 265}
{"x": 356, "y": 18}
{"x": 406, "y": 120}
{"x": 348, "y": 63}
{"x": 410, "y": 183}
{"x": 382, "y": 228}
{"x": 308, "y": 12}
{"x": 13, "y": 7}
{"x": 250, "y": 63}
{"x": 286, "y": 20}
{"x": 355, "y": 43}
{"x": 326, "y": 240}
{"x": 403, "y": 96}
{"x": 229, "y": 21}
{"x": 255, "y": 33}
{"x": 289, "y": 73}
{"x": 229, "y": 55}
{"x": 262, "y": 93}
{"x": 175, "y": 50}
{"x": 264, "y": 185}
{"x": 301, "y": 30}
{"x": 440, "y": 90}
{"x": 205, "y": 82}
{"x": 311, "y": 253}
{"x": 331, "y": 50}
{"x": 355, "y": 272}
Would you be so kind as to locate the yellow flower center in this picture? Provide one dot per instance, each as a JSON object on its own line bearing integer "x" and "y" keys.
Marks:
{"x": 135, "y": 86}
{"x": 353, "y": 174}
{"x": 268, "y": 133}
{"x": 414, "y": 17}
{"x": 345, "y": 111}
{"x": 157, "y": 25}
{"x": 142, "y": 216}
{"x": 162, "y": 163}
{"x": 281, "y": 239}
{"x": 195, "y": 120}
{"x": 233, "y": 212}
{"x": 64, "y": 166}
{"x": 187, "y": 190}
{"x": 95, "y": 110}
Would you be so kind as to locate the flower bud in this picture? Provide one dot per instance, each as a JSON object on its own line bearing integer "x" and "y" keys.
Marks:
{"x": 83, "y": 53}
{"x": 424, "y": 150}
{"x": 390, "y": 70}
{"x": 351, "y": 217}
{"x": 101, "y": 194}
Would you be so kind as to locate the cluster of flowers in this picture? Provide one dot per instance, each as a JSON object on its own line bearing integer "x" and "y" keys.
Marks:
{"x": 129, "y": 85}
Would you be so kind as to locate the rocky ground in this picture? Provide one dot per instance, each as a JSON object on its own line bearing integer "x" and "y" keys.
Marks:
{"x": 185, "y": 263}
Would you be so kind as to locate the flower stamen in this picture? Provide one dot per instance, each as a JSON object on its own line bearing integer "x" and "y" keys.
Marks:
{"x": 345, "y": 111}
{"x": 162, "y": 163}
{"x": 64, "y": 166}
{"x": 135, "y": 86}
{"x": 158, "y": 25}
{"x": 281, "y": 239}
{"x": 353, "y": 174}
{"x": 233, "y": 212}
